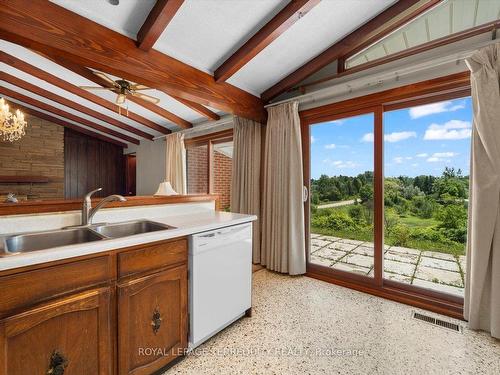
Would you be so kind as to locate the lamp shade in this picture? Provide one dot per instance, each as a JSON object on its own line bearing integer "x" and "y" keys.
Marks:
{"x": 165, "y": 188}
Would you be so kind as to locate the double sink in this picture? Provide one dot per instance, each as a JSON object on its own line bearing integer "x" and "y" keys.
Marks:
{"x": 28, "y": 242}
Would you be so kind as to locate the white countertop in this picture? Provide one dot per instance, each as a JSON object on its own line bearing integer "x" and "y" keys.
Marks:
{"x": 184, "y": 225}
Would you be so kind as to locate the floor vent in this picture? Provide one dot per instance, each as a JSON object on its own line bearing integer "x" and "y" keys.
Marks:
{"x": 438, "y": 322}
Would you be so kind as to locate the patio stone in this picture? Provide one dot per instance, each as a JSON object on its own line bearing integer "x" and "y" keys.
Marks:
{"x": 442, "y": 276}
{"x": 319, "y": 243}
{"x": 404, "y": 250}
{"x": 330, "y": 238}
{"x": 439, "y": 263}
{"x": 351, "y": 268}
{"x": 342, "y": 246}
{"x": 372, "y": 245}
{"x": 463, "y": 262}
{"x": 439, "y": 287}
{"x": 352, "y": 242}
{"x": 360, "y": 260}
{"x": 436, "y": 254}
{"x": 401, "y": 257}
{"x": 321, "y": 261}
{"x": 406, "y": 269}
{"x": 330, "y": 253}
{"x": 315, "y": 235}
{"x": 364, "y": 250}
{"x": 397, "y": 277}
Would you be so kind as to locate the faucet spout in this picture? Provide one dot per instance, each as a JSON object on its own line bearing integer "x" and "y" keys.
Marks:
{"x": 88, "y": 212}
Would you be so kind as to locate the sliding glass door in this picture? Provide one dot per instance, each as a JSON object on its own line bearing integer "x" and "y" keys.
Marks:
{"x": 388, "y": 198}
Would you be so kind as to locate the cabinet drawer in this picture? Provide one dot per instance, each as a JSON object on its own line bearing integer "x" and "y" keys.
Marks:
{"x": 71, "y": 335}
{"x": 152, "y": 257}
{"x": 31, "y": 287}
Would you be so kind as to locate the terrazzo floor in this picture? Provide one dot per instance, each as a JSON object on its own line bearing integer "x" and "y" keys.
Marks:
{"x": 426, "y": 269}
{"x": 305, "y": 326}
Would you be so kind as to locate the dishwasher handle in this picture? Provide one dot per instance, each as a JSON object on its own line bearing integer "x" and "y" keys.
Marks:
{"x": 223, "y": 236}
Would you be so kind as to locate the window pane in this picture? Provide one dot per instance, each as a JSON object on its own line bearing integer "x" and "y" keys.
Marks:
{"x": 342, "y": 194}
{"x": 222, "y": 160}
{"x": 197, "y": 169}
{"x": 427, "y": 152}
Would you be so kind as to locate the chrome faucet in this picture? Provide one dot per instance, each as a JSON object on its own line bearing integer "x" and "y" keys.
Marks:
{"x": 88, "y": 212}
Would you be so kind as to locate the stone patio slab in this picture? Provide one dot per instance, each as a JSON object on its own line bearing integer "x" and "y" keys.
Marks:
{"x": 364, "y": 250}
{"x": 437, "y": 275}
{"x": 342, "y": 246}
{"x": 439, "y": 287}
{"x": 404, "y": 250}
{"x": 352, "y": 242}
{"x": 330, "y": 238}
{"x": 463, "y": 262}
{"x": 315, "y": 235}
{"x": 319, "y": 243}
{"x": 359, "y": 260}
{"x": 401, "y": 257}
{"x": 435, "y": 254}
{"x": 371, "y": 244}
{"x": 439, "y": 263}
{"x": 397, "y": 277}
{"x": 330, "y": 253}
{"x": 321, "y": 261}
{"x": 406, "y": 269}
{"x": 351, "y": 268}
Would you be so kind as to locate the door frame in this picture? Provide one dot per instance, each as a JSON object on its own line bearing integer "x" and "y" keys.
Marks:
{"x": 444, "y": 88}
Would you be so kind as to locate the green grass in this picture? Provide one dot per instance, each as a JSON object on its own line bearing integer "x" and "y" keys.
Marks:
{"x": 417, "y": 222}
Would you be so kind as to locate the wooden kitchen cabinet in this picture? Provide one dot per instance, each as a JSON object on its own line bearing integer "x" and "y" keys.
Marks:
{"x": 68, "y": 336}
{"x": 152, "y": 321}
{"x": 123, "y": 311}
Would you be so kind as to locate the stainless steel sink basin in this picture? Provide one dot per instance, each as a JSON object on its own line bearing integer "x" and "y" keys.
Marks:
{"x": 129, "y": 228}
{"x": 23, "y": 243}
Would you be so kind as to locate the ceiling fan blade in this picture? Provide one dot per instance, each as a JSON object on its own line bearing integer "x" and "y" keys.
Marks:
{"x": 120, "y": 98}
{"x": 146, "y": 97}
{"x": 106, "y": 78}
{"x": 94, "y": 88}
{"x": 137, "y": 86}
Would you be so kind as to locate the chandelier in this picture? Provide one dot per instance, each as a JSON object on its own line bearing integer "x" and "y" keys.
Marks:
{"x": 12, "y": 126}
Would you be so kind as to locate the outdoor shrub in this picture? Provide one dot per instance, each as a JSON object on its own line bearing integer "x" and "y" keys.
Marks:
{"x": 428, "y": 234}
{"x": 400, "y": 235}
{"x": 357, "y": 214}
{"x": 337, "y": 220}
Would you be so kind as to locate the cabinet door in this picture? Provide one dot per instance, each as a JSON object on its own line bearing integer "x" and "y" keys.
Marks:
{"x": 152, "y": 321}
{"x": 68, "y": 336}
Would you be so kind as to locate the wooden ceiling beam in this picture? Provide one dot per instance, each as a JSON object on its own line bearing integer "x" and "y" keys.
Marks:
{"x": 65, "y": 85}
{"x": 55, "y": 31}
{"x": 68, "y": 125}
{"x": 160, "y": 16}
{"x": 202, "y": 110}
{"x": 280, "y": 23}
{"x": 57, "y": 111}
{"x": 87, "y": 73}
{"x": 70, "y": 104}
{"x": 340, "y": 48}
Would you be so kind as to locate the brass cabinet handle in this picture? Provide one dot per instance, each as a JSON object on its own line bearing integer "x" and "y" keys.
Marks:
{"x": 58, "y": 363}
{"x": 156, "y": 321}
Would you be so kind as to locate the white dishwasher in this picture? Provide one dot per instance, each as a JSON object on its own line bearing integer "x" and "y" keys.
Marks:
{"x": 220, "y": 280}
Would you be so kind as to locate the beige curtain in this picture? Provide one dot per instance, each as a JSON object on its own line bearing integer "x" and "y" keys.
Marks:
{"x": 482, "y": 289}
{"x": 282, "y": 203}
{"x": 176, "y": 162}
{"x": 245, "y": 185}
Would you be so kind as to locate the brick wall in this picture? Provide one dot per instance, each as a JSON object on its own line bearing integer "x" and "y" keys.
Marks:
{"x": 196, "y": 170}
{"x": 197, "y": 177}
{"x": 222, "y": 168}
{"x": 40, "y": 152}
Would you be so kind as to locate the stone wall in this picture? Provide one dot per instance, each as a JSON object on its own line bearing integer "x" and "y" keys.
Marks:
{"x": 39, "y": 153}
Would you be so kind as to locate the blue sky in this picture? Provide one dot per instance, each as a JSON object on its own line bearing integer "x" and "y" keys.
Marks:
{"x": 418, "y": 140}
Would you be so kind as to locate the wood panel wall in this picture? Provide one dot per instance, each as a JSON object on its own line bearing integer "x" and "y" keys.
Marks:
{"x": 91, "y": 163}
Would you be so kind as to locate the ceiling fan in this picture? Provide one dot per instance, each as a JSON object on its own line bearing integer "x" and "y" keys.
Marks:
{"x": 123, "y": 89}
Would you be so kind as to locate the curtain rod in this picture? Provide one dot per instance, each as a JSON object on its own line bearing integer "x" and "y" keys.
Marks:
{"x": 377, "y": 78}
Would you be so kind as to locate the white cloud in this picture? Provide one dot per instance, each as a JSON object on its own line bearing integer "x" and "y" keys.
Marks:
{"x": 430, "y": 109}
{"x": 414, "y": 165}
{"x": 422, "y": 155}
{"x": 368, "y": 137}
{"x": 441, "y": 156}
{"x": 340, "y": 164}
{"x": 391, "y": 137}
{"x": 451, "y": 130}
{"x": 330, "y": 146}
{"x": 399, "y": 136}
{"x": 312, "y": 139}
{"x": 398, "y": 159}
{"x": 337, "y": 122}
